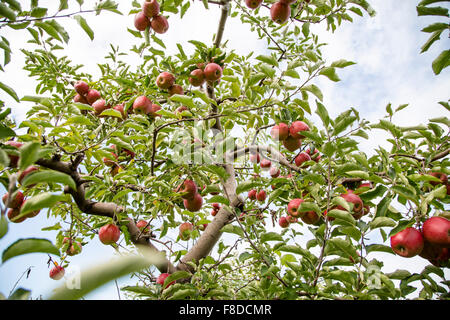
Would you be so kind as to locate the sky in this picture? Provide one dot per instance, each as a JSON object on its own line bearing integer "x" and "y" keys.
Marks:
{"x": 389, "y": 69}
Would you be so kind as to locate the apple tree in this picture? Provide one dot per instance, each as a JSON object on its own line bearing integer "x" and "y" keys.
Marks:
{"x": 210, "y": 163}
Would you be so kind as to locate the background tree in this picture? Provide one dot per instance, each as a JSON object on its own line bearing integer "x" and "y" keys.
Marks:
{"x": 146, "y": 153}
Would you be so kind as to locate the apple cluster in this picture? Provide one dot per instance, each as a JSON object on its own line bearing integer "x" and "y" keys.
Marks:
{"x": 259, "y": 195}
{"x": 211, "y": 72}
{"x": 290, "y": 135}
{"x": 150, "y": 17}
{"x": 280, "y": 11}
{"x": 166, "y": 81}
{"x": 431, "y": 242}
{"x": 192, "y": 199}
{"x": 215, "y": 209}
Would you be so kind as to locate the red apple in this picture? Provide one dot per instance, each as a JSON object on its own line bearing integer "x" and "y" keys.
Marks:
{"x": 280, "y": 12}
{"x": 15, "y": 202}
{"x": 189, "y": 190}
{"x": 292, "y": 143}
{"x": 176, "y": 89}
{"x": 302, "y": 158}
{"x": 253, "y": 4}
{"x": 216, "y": 206}
{"x": 185, "y": 230}
{"x": 57, "y": 272}
{"x": 100, "y": 106}
{"x": 142, "y": 105}
{"x": 13, "y": 159}
{"x": 309, "y": 217}
{"x": 265, "y": 164}
{"x": 143, "y": 226}
{"x": 314, "y": 156}
{"x": 296, "y": 128}
{"x": 194, "y": 204}
{"x": 150, "y": 8}
{"x": 162, "y": 277}
{"x": 80, "y": 99}
{"x": 261, "y": 196}
{"x": 274, "y": 172}
{"x": 109, "y": 234}
{"x": 92, "y": 96}
{"x": 441, "y": 176}
{"x": 436, "y": 254}
{"x": 252, "y": 194}
{"x": 407, "y": 243}
{"x": 121, "y": 109}
{"x": 160, "y": 24}
{"x": 141, "y": 22}
{"x": 26, "y": 172}
{"x": 280, "y": 131}
{"x": 436, "y": 230}
{"x": 12, "y": 213}
{"x": 352, "y": 198}
{"x": 283, "y": 222}
{"x": 81, "y": 87}
{"x": 291, "y": 219}
{"x": 155, "y": 108}
{"x": 74, "y": 248}
{"x": 165, "y": 80}
{"x": 293, "y": 206}
{"x": 197, "y": 78}
{"x": 212, "y": 71}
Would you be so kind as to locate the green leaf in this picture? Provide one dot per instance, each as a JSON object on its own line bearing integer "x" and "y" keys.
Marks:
{"x": 431, "y": 11}
{"x": 176, "y": 276}
{"x": 6, "y": 132}
{"x": 229, "y": 228}
{"x": 380, "y": 222}
{"x": 432, "y": 39}
{"x": 49, "y": 176}
{"x": 3, "y": 226}
{"x": 49, "y": 29}
{"x": 271, "y": 236}
{"x": 219, "y": 199}
{"x": 314, "y": 90}
{"x": 29, "y": 153}
{"x": 183, "y": 99}
{"x": 83, "y": 24}
{"x": 38, "y": 12}
{"x": 245, "y": 186}
{"x": 112, "y": 113}
{"x": 358, "y": 174}
{"x": 344, "y": 246}
{"x": 99, "y": 275}
{"x": 441, "y": 62}
{"x": 10, "y": 91}
{"x": 342, "y": 63}
{"x": 268, "y": 59}
{"x": 330, "y": 73}
{"x": 6, "y": 12}
{"x": 342, "y": 215}
{"x": 379, "y": 248}
{"x": 41, "y": 201}
{"x": 30, "y": 245}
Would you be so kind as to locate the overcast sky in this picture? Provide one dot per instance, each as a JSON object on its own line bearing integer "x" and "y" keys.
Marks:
{"x": 389, "y": 68}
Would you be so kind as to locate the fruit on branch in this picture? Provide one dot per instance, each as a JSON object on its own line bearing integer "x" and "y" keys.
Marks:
{"x": 16, "y": 200}
{"x": 13, "y": 158}
{"x": 197, "y": 78}
{"x": 57, "y": 272}
{"x": 291, "y": 219}
{"x": 176, "y": 89}
{"x": 292, "y": 143}
{"x": 185, "y": 230}
{"x": 253, "y": 4}
{"x": 92, "y": 96}
{"x": 215, "y": 210}
{"x": 12, "y": 213}
{"x": 144, "y": 226}
{"x": 194, "y": 204}
{"x": 155, "y": 108}
{"x": 438, "y": 255}
{"x": 30, "y": 214}
{"x": 296, "y": 128}
{"x": 80, "y": 99}
{"x": 265, "y": 164}
{"x": 165, "y": 80}
{"x": 274, "y": 172}
{"x": 280, "y": 12}
{"x": 142, "y": 105}
{"x": 150, "y": 8}
{"x": 436, "y": 230}
{"x": 162, "y": 277}
{"x": 309, "y": 217}
{"x": 313, "y": 154}
{"x": 293, "y": 206}
{"x": 160, "y": 24}
{"x": 121, "y": 109}
{"x": 353, "y": 199}
{"x": 407, "y": 243}
{"x": 261, "y": 196}
{"x": 100, "y": 106}
{"x": 109, "y": 234}
{"x": 212, "y": 72}
{"x": 141, "y": 21}
{"x": 283, "y": 222}
{"x": 441, "y": 176}
{"x": 81, "y": 87}
{"x": 327, "y": 217}
{"x": 255, "y": 158}
{"x": 26, "y": 172}
{"x": 252, "y": 194}
{"x": 189, "y": 190}
{"x": 301, "y": 158}
{"x": 280, "y": 131}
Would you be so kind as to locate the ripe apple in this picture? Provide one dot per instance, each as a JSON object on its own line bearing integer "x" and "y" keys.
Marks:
{"x": 265, "y": 164}
{"x": 80, "y": 99}
{"x": 280, "y": 131}
{"x": 309, "y": 217}
{"x": 283, "y": 222}
{"x": 297, "y": 127}
{"x": 293, "y": 206}
{"x": 212, "y": 71}
{"x": 354, "y": 199}
{"x": 302, "y": 158}
{"x": 175, "y": 89}
{"x": 274, "y": 172}
{"x": 194, "y": 204}
{"x": 121, "y": 109}
{"x": 160, "y": 24}
{"x": 115, "y": 169}
{"x": 407, "y": 243}
{"x": 15, "y": 202}
{"x": 155, "y": 108}
{"x": 441, "y": 176}
{"x": 280, "y": 12}
{"x": 92, "y": 96}
{"x": 150, "y": 8}
{"x": 189, "y": 190}
{"x": 26, "y": 172}
{"x": 162, "y": 277}
{"x": 213, "y": 212}
{"x": 81, "y": 87}
{"x": 436, "y": 254}
{"x": 436, "y": 230}
{"x": 57, "y": 272}
{"x": 165, "y": 80}
{"x": 141, "y": 21}
{"x": 109, "y": 234}
{"x": 100, "y": 106}
{"x": 252, "y": 194}
{"x": 12, "y": 213}
{"x": 143, "y": 226}
{"x": 253, "y": 4}
{"x": 142, "y": 105}
{"x": 261, "y": 196}
{"x": 314, "y": 156}
{"x": 216, "y": 206}
{"x": 197, "y": 78}
{"x": 292, "y": 143}
{"x": 185, "y": 230}
{"x": 13, "y": 158}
